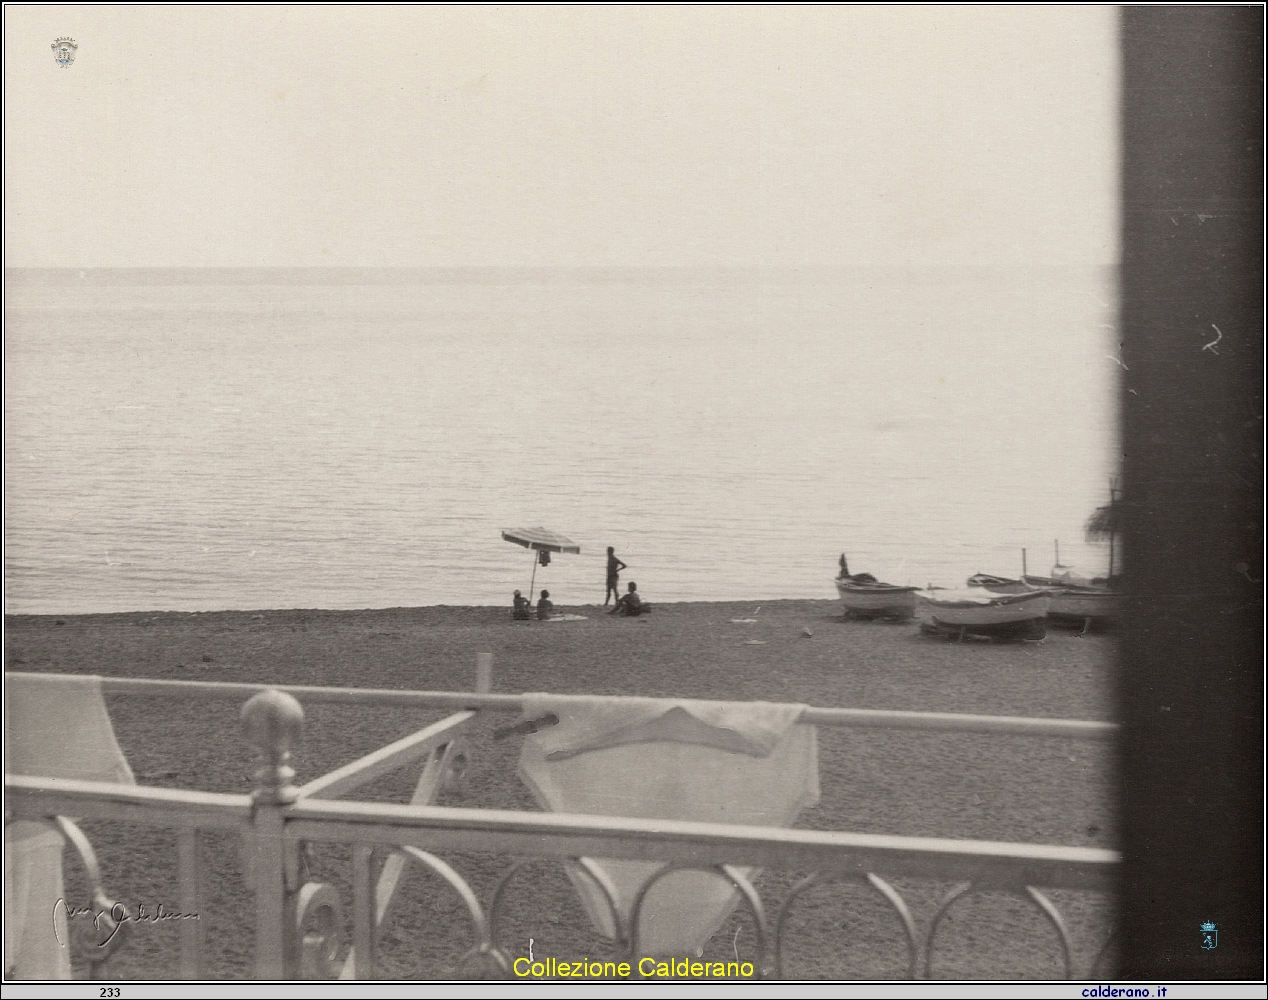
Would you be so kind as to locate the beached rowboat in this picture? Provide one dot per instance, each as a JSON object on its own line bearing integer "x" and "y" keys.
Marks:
{"x": 999, "y": 584}
{"x": 1086, "y": 606}
{"x": 978, "y": 611}
{"x": 873, "y": 599}
{"x": 1080, "y": 600}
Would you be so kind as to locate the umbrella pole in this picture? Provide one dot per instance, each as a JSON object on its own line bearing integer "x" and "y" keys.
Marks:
{"x": 533, "y": 580}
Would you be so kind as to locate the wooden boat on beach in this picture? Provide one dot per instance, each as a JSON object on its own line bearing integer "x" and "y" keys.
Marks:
{"x": 863, "y": 596}
{"x": 999, "y": 584}
{"x": 869, "y": 598}
{"x": 978, "y": 611}
{"x": 1073, "y": 599}
{"x": 1080, "y": 600}
{"x": 1085, "y": 606}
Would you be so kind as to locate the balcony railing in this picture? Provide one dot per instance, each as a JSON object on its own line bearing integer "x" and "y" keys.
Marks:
{"x": 299, "y": 922}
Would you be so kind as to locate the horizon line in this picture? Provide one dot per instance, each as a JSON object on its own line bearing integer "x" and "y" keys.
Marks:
{"x": 21, "y": 276}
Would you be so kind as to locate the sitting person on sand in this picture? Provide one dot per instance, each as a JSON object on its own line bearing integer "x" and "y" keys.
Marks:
{"x": 631, "y": 605}
{"x": 523, "y": 607}
{"x": 544, "y": 607}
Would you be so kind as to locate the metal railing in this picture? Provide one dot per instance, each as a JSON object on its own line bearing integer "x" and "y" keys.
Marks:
{"x": 299, "y": 923}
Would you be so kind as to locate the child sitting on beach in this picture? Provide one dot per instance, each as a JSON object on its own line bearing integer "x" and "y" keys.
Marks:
{"x": 544, "y": 607}
{"x": 631, "y": 605}
{"x": 523, "y": 607}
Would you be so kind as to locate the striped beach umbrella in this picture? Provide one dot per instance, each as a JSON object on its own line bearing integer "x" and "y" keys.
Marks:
{"x": 542, "y": 542}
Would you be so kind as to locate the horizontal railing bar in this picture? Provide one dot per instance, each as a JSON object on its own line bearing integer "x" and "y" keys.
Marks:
{"x": 365, "y": 769}
{"x": 31, "y": 797}
{"x": 852, "y": 717}
{"x": 214, "y": 690}
{"x": 985, "y": 863}
{"x": 868, "y": 718}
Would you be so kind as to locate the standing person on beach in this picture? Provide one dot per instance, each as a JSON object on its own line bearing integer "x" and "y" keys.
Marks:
{"x": 614, "y": 576}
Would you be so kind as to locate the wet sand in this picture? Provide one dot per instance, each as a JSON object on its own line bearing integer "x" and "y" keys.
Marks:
{"x": 1037, "y": 790}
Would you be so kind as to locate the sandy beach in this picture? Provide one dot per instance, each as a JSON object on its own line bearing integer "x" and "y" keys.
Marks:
{"x": 1036, "y": 790}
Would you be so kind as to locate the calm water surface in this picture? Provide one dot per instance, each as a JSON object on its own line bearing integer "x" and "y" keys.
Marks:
{"x": 213, "y": 446}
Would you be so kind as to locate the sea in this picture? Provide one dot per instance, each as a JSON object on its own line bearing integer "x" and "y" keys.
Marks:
{"x": 208, "y": 439}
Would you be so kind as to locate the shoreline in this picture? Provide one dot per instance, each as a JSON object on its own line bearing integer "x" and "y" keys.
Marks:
{"x": 24, "y": 617}
{"x": 483, "y": 612}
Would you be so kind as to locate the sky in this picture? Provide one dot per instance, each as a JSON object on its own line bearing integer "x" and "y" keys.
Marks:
{"x": 492, "y": 136}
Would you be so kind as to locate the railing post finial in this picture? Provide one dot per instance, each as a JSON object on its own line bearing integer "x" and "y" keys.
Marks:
{"x": 273, "y": 720}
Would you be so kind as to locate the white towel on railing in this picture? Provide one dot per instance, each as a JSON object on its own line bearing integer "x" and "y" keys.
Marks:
{"x": 721, "y": 762}
{"x": 56, "y": 727}
{"x": 36, "y": 944}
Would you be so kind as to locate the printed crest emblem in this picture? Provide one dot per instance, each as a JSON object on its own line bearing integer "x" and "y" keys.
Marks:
{"x": 1210, "y": 936}
{"x": 64, "y": 50}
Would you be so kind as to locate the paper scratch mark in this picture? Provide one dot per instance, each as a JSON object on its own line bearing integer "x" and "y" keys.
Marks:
{"x": 1218, "y": 337}
{"x": 67, "y": 520}
{"x": 1119, "y": 361}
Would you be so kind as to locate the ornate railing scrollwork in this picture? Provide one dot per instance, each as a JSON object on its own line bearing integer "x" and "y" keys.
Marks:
{"x": 729, "y": 873}
{"x": 1029, "y": 893}
{"x": 484, "y": 952}
{"x": 955, "y": 893}
{"x": 111, "y": 921}
{"x": 891, "y": 895}
{"x": 1058, "y": 922}
{"x": 317, "y": 926}
{"x": 607, "y": 887}
{"x": 585, "y": 866}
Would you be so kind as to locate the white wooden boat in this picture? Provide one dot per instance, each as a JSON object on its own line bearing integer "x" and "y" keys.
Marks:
{"x": 978, "y": 611}
{"x": 863, "y": 596}
{"x": 999, "y": 584}
{"x": 1085, "y": 606}
{"x": 1080, "y": 600}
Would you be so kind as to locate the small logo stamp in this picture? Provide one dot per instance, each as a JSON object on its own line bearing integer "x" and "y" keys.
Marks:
{"x": 64, "y": 50}
{"x": 1210, "y": 936}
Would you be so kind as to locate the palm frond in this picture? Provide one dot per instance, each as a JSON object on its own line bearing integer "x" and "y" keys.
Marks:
{"x": 1105, "y": 522}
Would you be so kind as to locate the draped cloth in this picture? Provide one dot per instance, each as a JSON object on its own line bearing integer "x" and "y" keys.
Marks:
{"x": 55, "y": 727}
{"x": 748, "y": 763}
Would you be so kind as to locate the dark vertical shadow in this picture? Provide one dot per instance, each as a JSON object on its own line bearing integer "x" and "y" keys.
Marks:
{"x": 1191, "y": 687}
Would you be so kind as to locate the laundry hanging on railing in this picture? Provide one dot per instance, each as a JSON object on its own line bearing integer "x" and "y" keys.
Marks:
{"x": 56, "y": 727}
{"x": 750, "y": 763}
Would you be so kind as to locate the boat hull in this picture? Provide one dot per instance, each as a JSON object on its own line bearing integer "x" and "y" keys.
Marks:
{"x": 1081, "y": 607}
{"x": 864, "y": 601}
{"x": 1001, "y": 616}
{"x": 999, "y": 584}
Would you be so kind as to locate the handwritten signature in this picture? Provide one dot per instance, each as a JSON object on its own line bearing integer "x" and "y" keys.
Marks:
{"x": 117, "y": 916}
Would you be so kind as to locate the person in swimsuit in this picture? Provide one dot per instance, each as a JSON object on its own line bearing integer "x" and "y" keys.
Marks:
{"x": 614, "y": 576}
{"x": 544, "y": 607}
{"x": 631, "y": 605}
{"x": 523, "y": 607}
